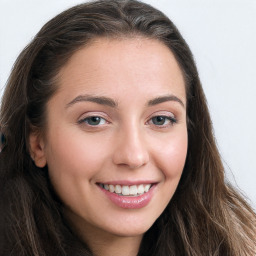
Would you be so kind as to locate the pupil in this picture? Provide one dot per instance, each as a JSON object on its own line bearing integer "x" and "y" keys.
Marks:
{"x": 158, "y": 120}
{"x": 94, "y": 120}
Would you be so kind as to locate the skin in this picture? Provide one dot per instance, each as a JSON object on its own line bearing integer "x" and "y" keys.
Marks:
{"x": 126, "y": 145}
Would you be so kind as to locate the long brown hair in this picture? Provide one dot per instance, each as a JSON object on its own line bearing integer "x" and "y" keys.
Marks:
{"x": 206, "y": 216}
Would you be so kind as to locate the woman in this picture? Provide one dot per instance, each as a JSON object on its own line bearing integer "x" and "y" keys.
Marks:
{"x": 108, "y": 144}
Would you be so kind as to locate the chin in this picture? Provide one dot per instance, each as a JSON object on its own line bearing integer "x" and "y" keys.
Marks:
{"x": 131, "y": 232}
{"x": 130, "y": 228}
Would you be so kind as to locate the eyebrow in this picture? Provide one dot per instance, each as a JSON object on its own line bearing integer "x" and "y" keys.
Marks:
{"x": 102, "y": 100}
{"x": 96, "y": 99}
{"x": 165, "y": 98}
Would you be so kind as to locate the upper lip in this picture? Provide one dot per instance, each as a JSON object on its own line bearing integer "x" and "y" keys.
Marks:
{"x": 128, "y": 182}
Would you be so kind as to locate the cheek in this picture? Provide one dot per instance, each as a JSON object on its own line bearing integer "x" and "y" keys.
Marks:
{"x": 74, "y": 154}
{"x": 172, "y": 156}
{"x": 73, "y": 162}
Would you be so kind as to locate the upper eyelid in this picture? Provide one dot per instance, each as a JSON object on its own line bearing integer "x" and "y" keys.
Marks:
{"x": 92, "y": 114}
{"x": 172, "y": 119}
{"x": 87, "y": 117}
{"x": 162, "y": 113}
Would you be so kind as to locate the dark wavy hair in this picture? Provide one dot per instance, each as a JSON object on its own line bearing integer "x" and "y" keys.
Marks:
{"x": 206, "y": 216}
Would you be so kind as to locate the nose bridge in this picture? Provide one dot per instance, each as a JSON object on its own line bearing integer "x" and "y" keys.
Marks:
{"x": 131, "y": 149}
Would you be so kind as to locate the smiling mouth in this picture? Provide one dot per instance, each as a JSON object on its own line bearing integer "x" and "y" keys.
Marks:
{"x": 124, "y": 190}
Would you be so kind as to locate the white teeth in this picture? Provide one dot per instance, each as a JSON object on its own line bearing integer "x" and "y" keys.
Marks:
{"x": 140, "y": 189}
{"x": 147, "y": 187}
{"x": 125, "y": 190}
{"x": 133, "y": 190}
{"x": 118, "y": 189}
{"x": 111, "y": 188}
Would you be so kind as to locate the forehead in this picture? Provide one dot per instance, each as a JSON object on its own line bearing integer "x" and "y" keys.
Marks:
{"x": 118, "y": 66}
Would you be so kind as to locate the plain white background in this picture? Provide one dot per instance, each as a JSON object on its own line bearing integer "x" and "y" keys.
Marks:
{"x": 222, "y": 36}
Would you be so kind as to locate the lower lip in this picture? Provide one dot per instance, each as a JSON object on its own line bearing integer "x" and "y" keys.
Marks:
{"x": 130, "y": 202}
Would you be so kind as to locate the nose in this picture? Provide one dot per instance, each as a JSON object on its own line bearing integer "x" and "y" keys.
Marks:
{"x": 131, "y": 150}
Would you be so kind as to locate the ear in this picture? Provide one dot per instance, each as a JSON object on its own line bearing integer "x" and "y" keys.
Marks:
{"x": 37, "y": 149}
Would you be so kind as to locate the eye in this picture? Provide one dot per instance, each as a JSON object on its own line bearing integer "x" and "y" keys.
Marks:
{"x": 93, "y": 120}
{"x": 163, "y": 120}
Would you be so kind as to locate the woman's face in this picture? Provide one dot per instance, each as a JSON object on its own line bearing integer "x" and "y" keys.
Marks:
{"x": 116, "y": 135}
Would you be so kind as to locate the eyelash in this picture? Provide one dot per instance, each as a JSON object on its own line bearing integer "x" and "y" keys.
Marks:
{"x": 171, "y": 121}
{"x": 85, "y": 120}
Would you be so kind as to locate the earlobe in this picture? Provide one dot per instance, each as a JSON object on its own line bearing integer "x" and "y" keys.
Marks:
{"x": 37, "y": 152}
